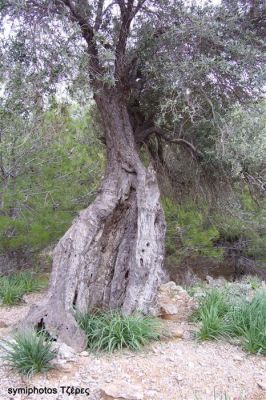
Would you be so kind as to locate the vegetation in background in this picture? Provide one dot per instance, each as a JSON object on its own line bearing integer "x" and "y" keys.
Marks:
{"x": 113, "y": 331}
{"x": 54, "y": 163}
{"x": 223, "y": 314}
{"x": 196, "y": 228}
{"x": 13, "y": 287}
{"x": 29, "y": 352}
{"x": 188, "y": 231}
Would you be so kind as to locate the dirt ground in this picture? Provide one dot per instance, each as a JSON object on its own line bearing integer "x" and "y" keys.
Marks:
{"x": 176, "y": 369}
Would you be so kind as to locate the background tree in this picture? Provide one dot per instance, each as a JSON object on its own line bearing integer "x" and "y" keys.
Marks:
{"x": 152, "y": 66}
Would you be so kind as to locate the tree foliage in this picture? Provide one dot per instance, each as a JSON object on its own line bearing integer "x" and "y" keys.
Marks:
{"x": 50, "y": 169}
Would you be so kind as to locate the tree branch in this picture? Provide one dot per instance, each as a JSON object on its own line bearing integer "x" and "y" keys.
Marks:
{"x": 99, "y": 15}
{"x": 139, "y": 6}
{"x": 88, "y": 35}
{"x": 126, "y": 17}
{"x": 142, "y": 135}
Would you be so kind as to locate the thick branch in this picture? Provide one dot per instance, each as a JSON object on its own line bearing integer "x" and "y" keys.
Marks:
{"x": 126, "y": 17}
{"x": 139, "y": 6}
{"x": 99, "y": 15}
{"x": 88, "y": 35}
{"x": 141, "y": 136}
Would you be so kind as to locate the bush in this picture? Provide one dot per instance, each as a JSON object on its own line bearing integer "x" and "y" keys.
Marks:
{"x": 113, "y": 331}
{"x": 13, "y": 288}
{"x": 29, "y": 352}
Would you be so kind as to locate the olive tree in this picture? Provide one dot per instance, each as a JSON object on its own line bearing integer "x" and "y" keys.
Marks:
{"x": 154, "y": 67}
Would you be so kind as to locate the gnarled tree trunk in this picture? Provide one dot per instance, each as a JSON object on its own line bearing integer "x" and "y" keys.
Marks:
{"x": 112, "y": 256}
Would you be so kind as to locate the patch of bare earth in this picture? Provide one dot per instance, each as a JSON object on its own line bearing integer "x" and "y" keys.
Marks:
{"x": 174, "y": 369}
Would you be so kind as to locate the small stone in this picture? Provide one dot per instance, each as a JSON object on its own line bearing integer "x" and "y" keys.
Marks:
{"x": 168, "y": 286}
{"x": 238, "y": 358}
{"x": 169, "y": 309}
{"x": 171, "y": 359}
{"x": 179, "y": 378}
{"x": 169, "y": 317}
{"x": 65, "y": 352}
{"x": 151, "y": 393}
{"x": 177, "y": 333}
{"x": 191, "y": 364}
{"x": 121, "y": 390}
{"x": 262, "y": 386}
{"x": 3, "y": 324}
{"x": 84, "y": 353}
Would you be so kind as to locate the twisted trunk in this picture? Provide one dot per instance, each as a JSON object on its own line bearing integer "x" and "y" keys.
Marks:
{"x": 112, "y": 256}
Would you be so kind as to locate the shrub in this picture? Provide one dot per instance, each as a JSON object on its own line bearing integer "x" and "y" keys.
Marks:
{"x": 113, "y": 331}
{"x": 29, "y": 352}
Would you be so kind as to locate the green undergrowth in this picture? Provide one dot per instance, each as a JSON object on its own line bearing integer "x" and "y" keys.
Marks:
{"x": 13, "y": 287}
{"x": 226, "y": 313}
{"x": 197, "y": 229}
{"x": 189, "y": 232}
{"x": 29, "y": 352}
{"x": 110, "y": 331}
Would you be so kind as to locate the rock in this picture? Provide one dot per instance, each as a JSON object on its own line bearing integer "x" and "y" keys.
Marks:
{"x": 169, "y": 308}
{"x": 177, "y": 333}
{"x": 171, "y": 359}
{"x": 238, "y": 358}
{"x": 191, "y": 364}
{"x": 173, "y": 303}
{"x": 153, "y": 393}
{"x": 65, "y": 352}
{"x": 168, "y": 286}
{"x": 84, "y": 353}
{"x": 262, "y": 385}
{"x": 120, "y": 390}
{"x": 216, "y": 283}
{"x": 61, "y": 364}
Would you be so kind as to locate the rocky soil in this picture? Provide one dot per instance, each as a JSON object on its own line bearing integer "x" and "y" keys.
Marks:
{"x": 178, "y": 368}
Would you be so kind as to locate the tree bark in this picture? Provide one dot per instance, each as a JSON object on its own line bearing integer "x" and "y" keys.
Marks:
{"x": 112, "y": 256}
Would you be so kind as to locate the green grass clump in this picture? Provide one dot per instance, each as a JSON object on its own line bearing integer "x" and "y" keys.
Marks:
{"x": 211, "y": 312}
{"x": 248, "y": 321}
{"x": 29, "y": 352}
{"x": 30, "y": 281}
{"x": 13, "y": 287}
{"x": 221, "y": 314}
{"x": 9, "y": 293}
{"x": 110, "y": 331}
